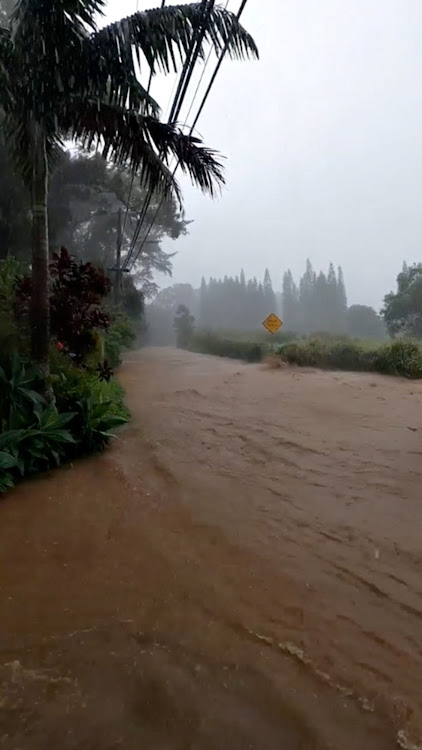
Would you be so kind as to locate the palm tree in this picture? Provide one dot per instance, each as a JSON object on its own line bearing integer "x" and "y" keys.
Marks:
{"x": 62, "y": 77}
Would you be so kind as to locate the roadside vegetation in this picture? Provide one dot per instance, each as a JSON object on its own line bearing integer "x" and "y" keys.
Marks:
{"x": 402, "y": 357}
{"x": 75, "y": 412}
{"x": 62, "y": 332}
{"x": 355, "y": 338}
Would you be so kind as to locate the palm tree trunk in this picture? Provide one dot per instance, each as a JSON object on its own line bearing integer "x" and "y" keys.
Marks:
{"x": 40, "y": 303}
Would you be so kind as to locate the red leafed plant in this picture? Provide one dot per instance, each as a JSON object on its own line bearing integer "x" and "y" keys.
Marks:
{"x": 77, "y": 291}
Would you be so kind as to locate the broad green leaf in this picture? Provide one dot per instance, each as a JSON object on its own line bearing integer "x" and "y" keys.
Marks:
{"x": 112, "y": 421}
{"x": 7, "y": 461}
{"x": 6, "y": 482}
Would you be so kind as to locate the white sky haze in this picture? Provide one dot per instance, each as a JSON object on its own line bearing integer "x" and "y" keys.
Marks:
{"x": 323, "y": 140}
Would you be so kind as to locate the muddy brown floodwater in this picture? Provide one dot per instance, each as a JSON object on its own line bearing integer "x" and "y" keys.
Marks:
{"x": 243, "y": 569}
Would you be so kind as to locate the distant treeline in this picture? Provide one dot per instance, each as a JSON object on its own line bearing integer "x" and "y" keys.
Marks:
{"x": 316, "y": 303}
{"x": 234, "y": 303}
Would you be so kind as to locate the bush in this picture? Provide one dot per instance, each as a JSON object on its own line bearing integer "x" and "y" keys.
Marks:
{"x": 36, "y": 448}
{"x": 120, "y": 336}
{"x": 78, "y": 291}
{"x": 211, "y": 343}
{"x": 402, "y": 357}
{"x": 98, "y": 405}
{"x": 19, "y": 394}
{"x": 35, "y": 436}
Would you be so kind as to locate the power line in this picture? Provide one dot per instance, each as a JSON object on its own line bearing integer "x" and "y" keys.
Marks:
{"x": 191, "y": 57}
{"x": 204, "y": 99}
{"x": 163, "y": 2}
{"x": 186, "y": 74}
{"x": 217, "y": 68}
{"x": 201, "y": 77}
{"x": 176, "y": 100}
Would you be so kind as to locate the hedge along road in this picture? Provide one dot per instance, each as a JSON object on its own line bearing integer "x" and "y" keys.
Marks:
{"x": 242, "y": 569}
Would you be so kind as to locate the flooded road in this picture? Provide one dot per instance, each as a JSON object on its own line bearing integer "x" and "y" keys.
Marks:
{"x": 242, "y": 569}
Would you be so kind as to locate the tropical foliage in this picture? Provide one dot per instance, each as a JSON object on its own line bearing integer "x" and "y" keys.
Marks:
{"x": 87, "y": 403}
{"x": 76, "y": 293}
{"x": 36, "y": 436}
{"x": 61, "y": 76}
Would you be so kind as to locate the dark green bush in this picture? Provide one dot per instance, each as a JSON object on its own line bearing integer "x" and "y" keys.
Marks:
{"x": 35, "y": 436}
{"x": 401, "y": 357}
{"x": 211, "y": 343}
{"x": 98, "y": 405}
{"x": 19, "y": 393}
{"x": 35, "y": 448}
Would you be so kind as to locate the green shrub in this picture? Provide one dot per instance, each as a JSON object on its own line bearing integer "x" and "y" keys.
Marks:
{"x": 19, "y": 394}
{"x": 212, "y": 343}
{"x": 120, "y": 336}
{"x": 36, "y": 448}
{"x": 402, "y": 357}
{"x": 98, "y": 405}
{"x": 36, "y": 436}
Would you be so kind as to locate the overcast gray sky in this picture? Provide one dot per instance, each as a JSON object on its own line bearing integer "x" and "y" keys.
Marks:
{"x": 323, "y": 139}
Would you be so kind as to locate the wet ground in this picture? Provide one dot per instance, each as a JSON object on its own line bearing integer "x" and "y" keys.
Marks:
{"x": 242, "y": 569}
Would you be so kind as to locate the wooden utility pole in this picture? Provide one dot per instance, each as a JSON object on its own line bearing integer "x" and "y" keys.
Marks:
{"x": 118, "y": 272}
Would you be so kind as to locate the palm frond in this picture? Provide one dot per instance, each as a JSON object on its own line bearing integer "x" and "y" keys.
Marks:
{"x": 75, "y": 14}
{"x": 48, "y": 36}
{"x": 165, "y": 34}
{"x": 56, "y": 39}
{"x": 200, "y": 163}
{"x": 194, "y": 159}
{"x": 143, "y": 144}
{"x": 121, "y": 136}
{"x": 106, "y": 69}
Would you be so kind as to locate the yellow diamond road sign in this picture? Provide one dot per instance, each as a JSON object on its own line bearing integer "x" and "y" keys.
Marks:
{"x": 272, "y": 323}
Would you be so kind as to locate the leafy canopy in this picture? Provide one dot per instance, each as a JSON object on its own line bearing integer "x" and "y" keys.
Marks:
{"x": 60, "y": 71}
{"x": 402, "y": 310}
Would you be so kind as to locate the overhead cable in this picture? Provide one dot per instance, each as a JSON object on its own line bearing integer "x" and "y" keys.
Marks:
{"x": 203, "y": 102}
{"x": 185, "y": 77}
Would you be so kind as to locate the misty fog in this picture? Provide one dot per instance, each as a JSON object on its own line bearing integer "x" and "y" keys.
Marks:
{"x": 323, "y": 146}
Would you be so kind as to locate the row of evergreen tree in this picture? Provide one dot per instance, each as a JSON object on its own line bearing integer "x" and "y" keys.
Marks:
{"x": 317, "y": 303}
{"x": 234, "y": 303}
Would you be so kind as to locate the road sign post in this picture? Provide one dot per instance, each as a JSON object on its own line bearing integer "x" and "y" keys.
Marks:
{"x": 272, "y": 323}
